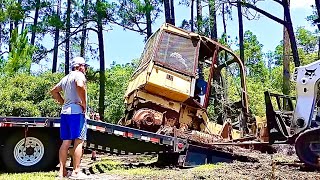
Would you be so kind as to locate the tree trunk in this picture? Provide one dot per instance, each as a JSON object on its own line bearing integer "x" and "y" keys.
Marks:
{"x": 2, "y": 10}
{"x": 224, "y": 30}
{"x": 11, "y": 31}
{"x": 22, "y": 25}
{"x": 191, "y": 19}
{"x": 35, "y": 22}
{"x": 16, "y": 22}
{"x": 292, "y": 38}
{"x": 217, "y": 78}
{"x": 102, "y": 66}
{"x": 224, "y": 24}
{"x": 319, "y": 47}
{"x": 286, "y": 62}
{"x": 56, "y": 42}
{"x": 169, "y": 11}
{"x": 84, "y": 30}
{"x": 166, "y": 4}
{"x": 148, "y": 18}
{"x": 286, "y": 59}
{"x": 317, "y": 3}
{"x": 213, "y": 20}
{"x": 0, "y": 37}
{"x": 67, "y": 53}
{"x": 240, "y": 31}
{"x": 226, "y": 41}
{"x": 287, "y": 24}
{"x": 172, "y": 17}
{"x": 199, "y": 16}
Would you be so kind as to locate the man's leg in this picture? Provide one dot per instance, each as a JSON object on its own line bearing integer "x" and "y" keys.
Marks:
{"x": 93, "y": 155}
{"x": 78, "y": 143}
{"x": 79, "y": 133}
{"x": 63, "y": 154}
{"x": 71, "y": 152}
{"x": 63, "y": 151}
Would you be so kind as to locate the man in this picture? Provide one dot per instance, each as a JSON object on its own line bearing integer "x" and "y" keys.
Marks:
{"x": 73, "y": 125}
{"x": 201, "y": 85}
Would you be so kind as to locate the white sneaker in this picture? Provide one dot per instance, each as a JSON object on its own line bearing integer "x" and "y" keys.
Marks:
{"x": 69, "y": 173}
{"x": 63, "y": 177}
{"x": 80, "y": 175}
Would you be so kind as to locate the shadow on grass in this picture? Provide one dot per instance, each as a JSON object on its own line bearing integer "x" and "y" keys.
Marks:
{"x": 104, "y": 167}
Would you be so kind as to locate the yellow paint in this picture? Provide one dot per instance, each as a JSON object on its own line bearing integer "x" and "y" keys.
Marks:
{"x": 214, "y": 128}
{"x": 261, "y": 120}
{"x": 168, "y": 84}
{"x": 163, "y": 82}
{"x": 172, "y": 29}
{"x": 186, "y": 116}
{"x": 170, "y": 89}
{"x": 175, "y": 106}
{"x": 138, "y": 81}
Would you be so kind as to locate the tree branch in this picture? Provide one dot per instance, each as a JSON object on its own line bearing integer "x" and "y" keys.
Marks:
{"x": 71, "y": 34}
{"x": 278, "y": 1}
{"x": 129, "y": 28}
{"x": 92, "y": 29}
{"x": 265, "y": 13}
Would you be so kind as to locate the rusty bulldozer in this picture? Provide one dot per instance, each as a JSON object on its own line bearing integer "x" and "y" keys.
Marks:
{"x": 179, "y": 88}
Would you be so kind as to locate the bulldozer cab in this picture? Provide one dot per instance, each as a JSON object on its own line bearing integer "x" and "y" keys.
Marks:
{"x": 181, "y": 74}
{"x": 226, "y": 98}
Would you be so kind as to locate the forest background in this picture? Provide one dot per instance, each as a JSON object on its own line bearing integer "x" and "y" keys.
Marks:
{"x": 29, "y": 67}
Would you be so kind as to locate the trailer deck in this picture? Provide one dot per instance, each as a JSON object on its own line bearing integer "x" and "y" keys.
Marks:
{"x": 37, "y": 135}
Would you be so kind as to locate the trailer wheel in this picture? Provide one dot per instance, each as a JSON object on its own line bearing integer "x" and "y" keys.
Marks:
{"x": 38, "y": 152}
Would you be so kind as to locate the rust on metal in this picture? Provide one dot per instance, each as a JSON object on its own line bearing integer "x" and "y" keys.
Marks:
{"x": 147, "y": 117}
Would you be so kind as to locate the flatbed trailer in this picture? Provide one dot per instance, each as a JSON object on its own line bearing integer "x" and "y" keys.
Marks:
{"x": 32, "y": 144}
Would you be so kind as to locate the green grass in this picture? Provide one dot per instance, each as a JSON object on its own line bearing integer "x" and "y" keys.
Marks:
{"x": 109, "y": 162}
{"x": 29, "y": 176}
{"x": 117, "y": 168}
{"x": 135, "y": 171}
{"x": 107, "y": 165}
{"x": 147, "y": 159}
{"x": 207, "y": 167}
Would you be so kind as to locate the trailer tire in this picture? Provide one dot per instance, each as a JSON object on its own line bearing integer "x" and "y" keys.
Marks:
{"x": 39, "y": 154}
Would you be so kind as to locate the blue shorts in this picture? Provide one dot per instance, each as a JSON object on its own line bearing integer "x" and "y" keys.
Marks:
{"x": 73, "y": 126}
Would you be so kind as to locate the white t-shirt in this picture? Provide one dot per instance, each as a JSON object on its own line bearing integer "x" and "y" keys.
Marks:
{"x": 71, "y": 97}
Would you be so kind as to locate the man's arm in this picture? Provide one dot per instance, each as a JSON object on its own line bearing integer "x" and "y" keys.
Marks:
{"x": 81, "y": 90}
{"x": 55, "y": 91}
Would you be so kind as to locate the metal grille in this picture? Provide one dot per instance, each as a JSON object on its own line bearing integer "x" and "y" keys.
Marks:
{"x": 148, "y": 52}
{"x": 177, "y": 52}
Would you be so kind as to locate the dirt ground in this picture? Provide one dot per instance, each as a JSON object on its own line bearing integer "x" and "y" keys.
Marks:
{"x": 282, "y": 165}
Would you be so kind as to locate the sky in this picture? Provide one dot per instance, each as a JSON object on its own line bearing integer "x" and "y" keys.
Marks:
{"x": 123, "y": 46}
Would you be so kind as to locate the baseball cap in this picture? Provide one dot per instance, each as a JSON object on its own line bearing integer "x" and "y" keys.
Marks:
{"x": 78, "y": 61}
